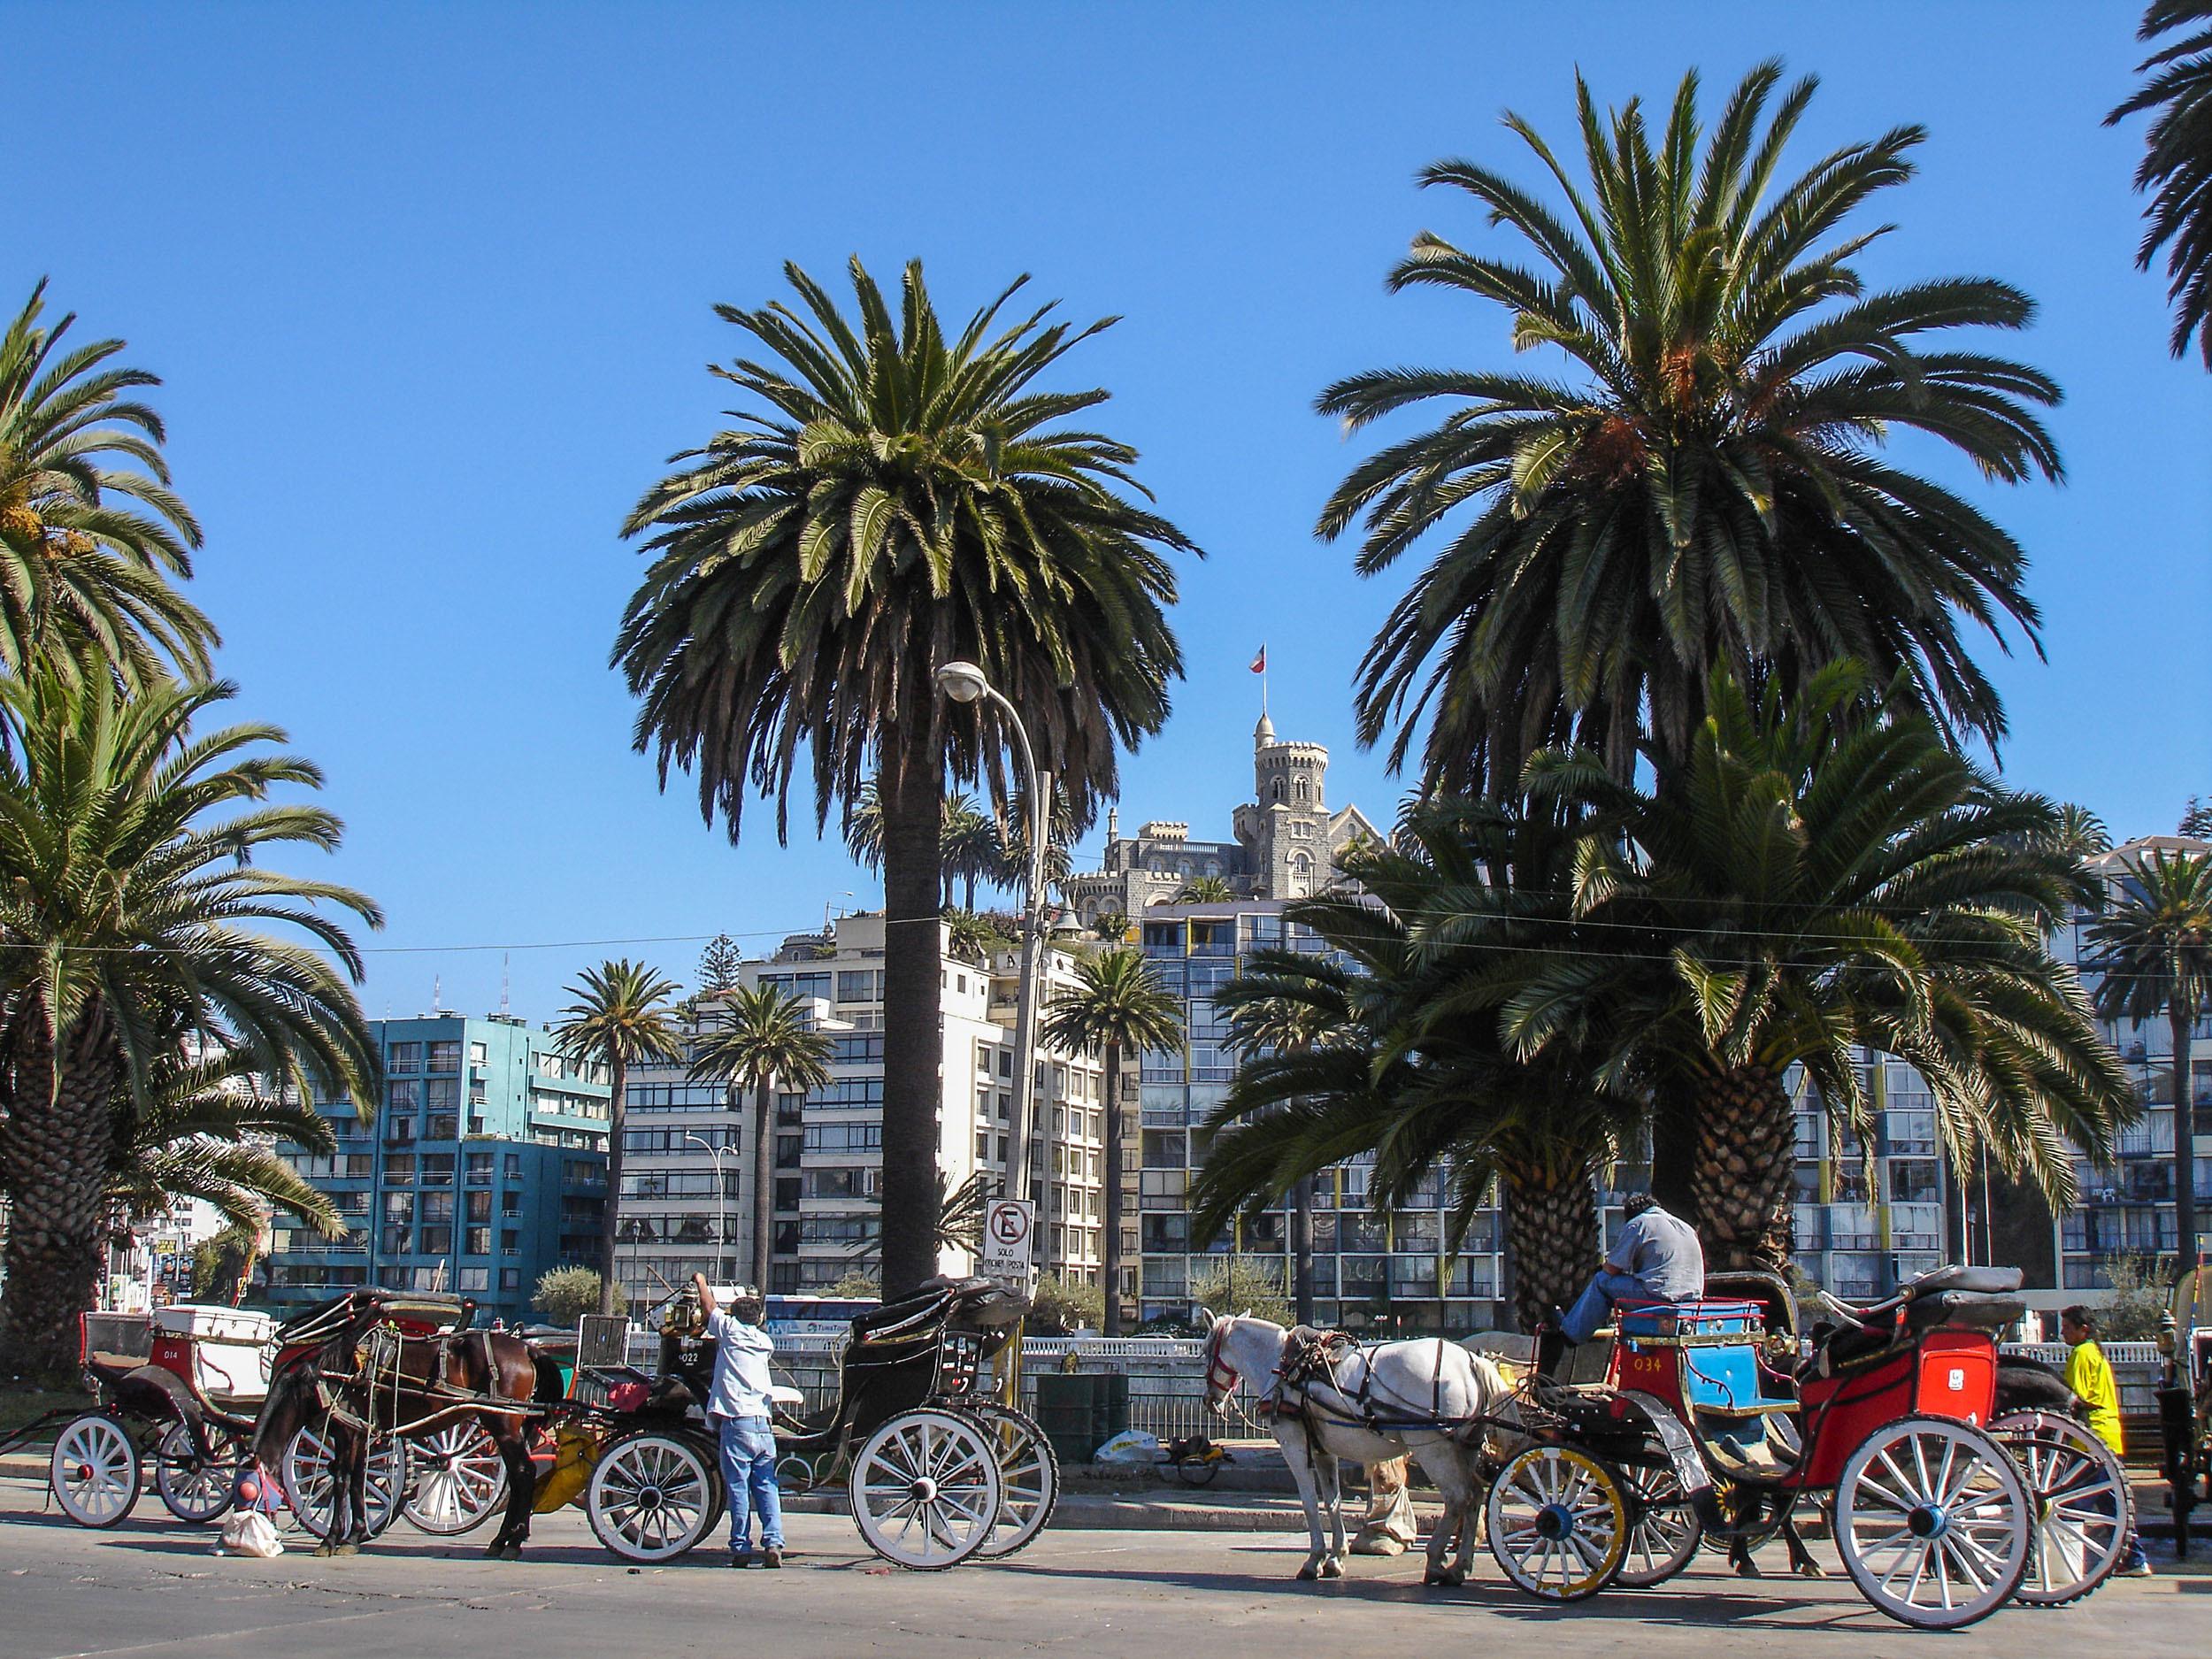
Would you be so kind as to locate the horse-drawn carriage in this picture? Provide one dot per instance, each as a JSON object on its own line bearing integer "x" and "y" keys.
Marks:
{"x": 936, "y": 1471}
{"x": 1703, "y": 1428}
{"x": 180, "y": 1391}
{"x": 1713, "y": 1420}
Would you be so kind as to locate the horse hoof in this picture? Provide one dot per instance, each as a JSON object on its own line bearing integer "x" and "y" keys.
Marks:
{"x": 1307, "y": 1573}
{"x": 1333, "y": 1569}
{"x": 345, "y": 1549}
{"x": 324, "y": 1548}
{"x": 511, "y": 1551}
{"x": 1748, "y": 1570}
{"x": 1811, "y": 1570}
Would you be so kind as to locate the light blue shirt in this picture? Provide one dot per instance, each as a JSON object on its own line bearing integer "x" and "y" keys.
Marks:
{"x": 741, "y": 1368}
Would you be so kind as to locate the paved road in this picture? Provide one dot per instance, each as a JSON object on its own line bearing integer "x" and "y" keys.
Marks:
{"x": 151, "y": 1587}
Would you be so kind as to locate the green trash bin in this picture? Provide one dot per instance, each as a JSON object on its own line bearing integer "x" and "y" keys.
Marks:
{"x": 1080, "y": 1413}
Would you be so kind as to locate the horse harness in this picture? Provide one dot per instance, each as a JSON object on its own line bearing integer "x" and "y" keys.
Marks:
{"x": 378, "y": 1357}
{"x": 1311, "y": 1357}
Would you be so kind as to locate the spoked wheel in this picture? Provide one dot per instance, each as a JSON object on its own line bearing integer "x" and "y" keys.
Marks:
{"x": 2083, "y": 1510}
{"x": 458, "y": 1478}
{"x": 1663, "y": 1530}
{"x": 94, "y": 1469}
{"x": 1558, "y": 1523}
{"x": 192, "y": 1487}
{"x": 925, "y": 1488}
{"x": 1029, "y": 1478}
{"x": 653, "y": 1496}
{"x": 1932, "y": 1523}
{"x": 310, "y": 1483}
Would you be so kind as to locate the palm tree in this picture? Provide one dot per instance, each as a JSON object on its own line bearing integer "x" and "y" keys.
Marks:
{"x": 621, "y": 1018}
{"x": 2155, "y": 954}
{"x": 1116, "y": 1005}
{"x": 131, "y": 877}
{"x": 1393, "y": 1046}
{"x": 2080, "y": 833}
{"x": 1204, "y": 890}
{"x": 970, "y": 844}
{"x": 896, "y": 500}
{"x": 1708, "y": 486}
{"x": 1819, "y": 875}
{"x": 767, "y": 1037}
{"x": 208, "y": 1131}
{"x": 972, "y": 938}
{"x": 90, "y": 533}
{"x": 2177, "y": 162}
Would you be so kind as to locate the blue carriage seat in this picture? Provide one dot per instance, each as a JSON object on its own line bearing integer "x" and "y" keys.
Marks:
{"x": 1719, "y": 1342}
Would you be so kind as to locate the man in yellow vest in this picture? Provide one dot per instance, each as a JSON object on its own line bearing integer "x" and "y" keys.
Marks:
{"x": 2089, "y": 1374}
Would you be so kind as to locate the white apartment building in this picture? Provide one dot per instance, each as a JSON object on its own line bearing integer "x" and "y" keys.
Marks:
{"x": 688, "y": 1194}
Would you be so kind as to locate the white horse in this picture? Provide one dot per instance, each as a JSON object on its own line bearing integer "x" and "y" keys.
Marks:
{"x": 1373, "y": 1404}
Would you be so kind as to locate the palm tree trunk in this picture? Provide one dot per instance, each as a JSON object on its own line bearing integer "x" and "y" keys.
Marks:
{"x": 611, "y": 1215}
{"x": 911, "y": 789}
{"x": 763, "y": 1180}
{"x": 56, "y": 1137}
{"x": 1741, "y": 1169}
{"x": 1551, "y": 1227}
{"x": 1115, "y": 1196}
{"x": 2179, "y": 1018}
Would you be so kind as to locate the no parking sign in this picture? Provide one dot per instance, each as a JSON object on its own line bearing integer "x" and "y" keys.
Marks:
{"x": 1009, "y": 1241}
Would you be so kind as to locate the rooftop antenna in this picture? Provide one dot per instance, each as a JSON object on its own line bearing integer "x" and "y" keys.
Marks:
{"x": 503, "y": 982}
{"x": 437, "y": 993}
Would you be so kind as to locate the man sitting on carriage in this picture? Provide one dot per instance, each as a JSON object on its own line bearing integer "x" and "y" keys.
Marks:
{"x": 742, "y": 1412}
{"x": 1656, "y": 1258}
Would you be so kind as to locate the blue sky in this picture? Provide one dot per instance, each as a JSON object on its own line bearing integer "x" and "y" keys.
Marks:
{"x": 430, "y": 289}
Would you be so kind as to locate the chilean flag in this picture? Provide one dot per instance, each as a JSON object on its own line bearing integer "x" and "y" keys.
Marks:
{"x": 1259, "y": 663}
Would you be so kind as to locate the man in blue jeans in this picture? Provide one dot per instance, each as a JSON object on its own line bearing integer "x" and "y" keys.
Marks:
{"x": 1656, "y": 1258}
{"x": 739, "y": 1408}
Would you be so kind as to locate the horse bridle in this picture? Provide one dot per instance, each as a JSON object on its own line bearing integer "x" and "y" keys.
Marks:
{"x": 1221, "y": 1377}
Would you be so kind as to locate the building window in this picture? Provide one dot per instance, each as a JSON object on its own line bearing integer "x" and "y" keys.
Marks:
{"x": 477, "y": 1054}
{"x": 511, "y": 1279}
{"x": 405, "y": 1095}
{"x": 436, "y": 1240}
{"x": 445, "y": 1056}
{"x": 476, "y": 1241}
{"x": 480, "y": 1168}
{"x": 407, "y": 1056}
{"x": 478, "y": 1206}
{"x": 475, "y": 1279}
{"x": 509, "y": 1241}
{"x": 513, "y": 1166}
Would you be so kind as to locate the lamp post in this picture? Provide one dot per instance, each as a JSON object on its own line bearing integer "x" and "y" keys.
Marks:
{"x": 963, "y": 682}
{"x": 722, "y": 1194}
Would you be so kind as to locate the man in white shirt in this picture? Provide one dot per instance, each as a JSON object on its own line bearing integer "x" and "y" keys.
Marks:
{"x": 739, "y": 1408}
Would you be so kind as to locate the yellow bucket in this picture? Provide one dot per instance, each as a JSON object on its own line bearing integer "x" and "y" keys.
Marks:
{"x": 574, "y": 1452}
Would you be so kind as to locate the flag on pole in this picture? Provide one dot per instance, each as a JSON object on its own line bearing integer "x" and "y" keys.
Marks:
{"x": 1259, "y": 663}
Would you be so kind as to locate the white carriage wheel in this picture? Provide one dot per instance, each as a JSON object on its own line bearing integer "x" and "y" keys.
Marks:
{"x": 192, "y": 1487}
{"x": 2080, "y": 1501}
{"x": 458, "y": 1478}
{"x": 1558, "y": 1523}
{"x": 94, "y": 1469}
{"x": 652, "y": 1496}
{"x": 1932, "y": 1521}
{"x": 308, "y": 1481}
{"x": 926, "y": 1489}
{"x": 1665, "y": 1531}
{"x": 1029, "y": 1479}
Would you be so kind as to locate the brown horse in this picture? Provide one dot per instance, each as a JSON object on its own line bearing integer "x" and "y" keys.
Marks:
{"x": 370, "y": 1370}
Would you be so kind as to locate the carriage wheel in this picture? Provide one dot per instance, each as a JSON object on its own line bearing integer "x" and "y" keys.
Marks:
{"x": 1932, "y": 1523}
{"x": 192, "y": 1487}
{"x": 653, "y": 1496}
{"x": 459, "y": 1478}
{"x": 1665, "y": 1531}
{"x": 925, "y": 1488}
{"x": 1558, "y": 1521}
{"x": 308, "y": 1483}
{"x": 94, "y": 1469}
{"x": 2082, "y": 1508}
{"x": 1029, "y": 1478}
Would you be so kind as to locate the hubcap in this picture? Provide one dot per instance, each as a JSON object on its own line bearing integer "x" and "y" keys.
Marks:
{"x": 1555, "y": 1522}
{"x": 924, "y": 1490}
{"x": 1928, "y": 1520}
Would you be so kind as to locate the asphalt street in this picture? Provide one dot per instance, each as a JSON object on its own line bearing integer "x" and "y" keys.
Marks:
{"x": 151, "y": 1587}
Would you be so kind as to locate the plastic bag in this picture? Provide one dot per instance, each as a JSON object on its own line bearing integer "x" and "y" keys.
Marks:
{"x": 249, "y": 1532}
{"x": 1130, "y": 1446}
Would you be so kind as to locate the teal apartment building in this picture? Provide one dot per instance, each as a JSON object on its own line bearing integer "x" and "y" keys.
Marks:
{"x": 486, "y": 1167}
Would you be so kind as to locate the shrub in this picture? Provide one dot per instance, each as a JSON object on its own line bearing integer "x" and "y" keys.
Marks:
{"x": 1059, "y": 1306}
{"x": 565, "y": 1295}
{"x": 1243, "y": 1283}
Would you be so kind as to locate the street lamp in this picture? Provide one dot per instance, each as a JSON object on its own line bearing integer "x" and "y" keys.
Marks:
{"x": 964, "y": 682}
{"x": 722, "y": 1195}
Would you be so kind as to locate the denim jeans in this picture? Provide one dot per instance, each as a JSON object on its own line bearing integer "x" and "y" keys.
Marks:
{"x": 1594, "y": 1303}
{"x": 749, "y": 1470}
